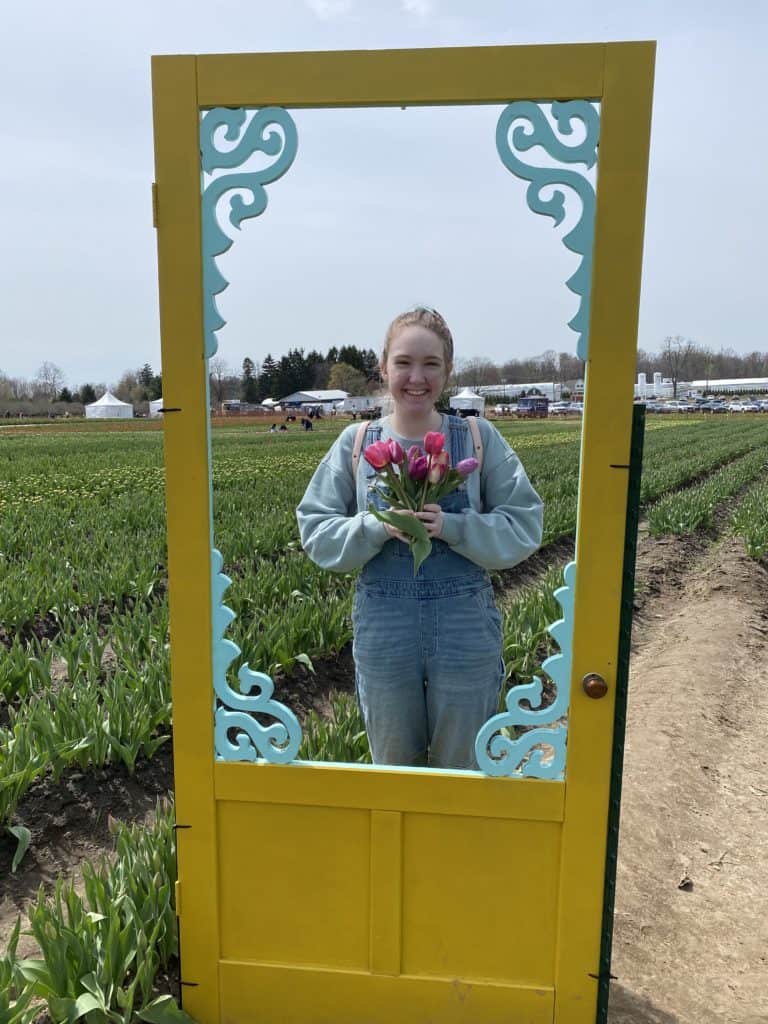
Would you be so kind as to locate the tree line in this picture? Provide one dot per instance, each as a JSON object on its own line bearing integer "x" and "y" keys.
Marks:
{"x": 356, "y": 371}
{"x": 49, "y": 387}
{"x": 346, "y": 368}
{"x": 678, "y": 358}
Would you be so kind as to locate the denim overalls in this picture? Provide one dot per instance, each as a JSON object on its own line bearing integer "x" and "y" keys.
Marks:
{"x": 427, "y": 649}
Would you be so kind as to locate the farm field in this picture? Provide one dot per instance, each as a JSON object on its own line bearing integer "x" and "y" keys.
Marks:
{"x": 85, "y": 712}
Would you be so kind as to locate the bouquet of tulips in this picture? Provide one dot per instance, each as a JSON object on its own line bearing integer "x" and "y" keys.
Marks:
{"x": 410, "y": 480}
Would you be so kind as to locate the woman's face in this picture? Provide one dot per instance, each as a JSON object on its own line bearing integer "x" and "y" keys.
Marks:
{"x": 415, "y": 370}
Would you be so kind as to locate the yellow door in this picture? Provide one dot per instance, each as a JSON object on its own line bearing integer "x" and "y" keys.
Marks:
{"x": 333, "y": 893}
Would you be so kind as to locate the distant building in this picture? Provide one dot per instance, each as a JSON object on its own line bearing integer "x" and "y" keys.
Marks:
{"x": 327, "y": 399}
{"x": 552, "y": 389}
{"x": 733, "y": 384}
{"x": 663, "y": 387}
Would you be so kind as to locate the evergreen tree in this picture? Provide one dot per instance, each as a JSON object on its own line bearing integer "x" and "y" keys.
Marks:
{"x": 155, "y": 389}
{"x": 267, "y": 379}
{"x": 249, "y": 385}
{"x": 65, "y": 395}
{"x": 145, "y": 376}
{"x": 371, "y": 366}
{"x": 352, "y": 356}
{"x": 87, "y": 394}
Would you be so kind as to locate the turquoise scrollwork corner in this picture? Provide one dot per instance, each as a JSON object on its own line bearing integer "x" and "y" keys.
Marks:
{"x": 498, "y": 753}
{"x": 261, "y": 135}
{"x": 539, "y": 132}
{"x": 278, "y": 742}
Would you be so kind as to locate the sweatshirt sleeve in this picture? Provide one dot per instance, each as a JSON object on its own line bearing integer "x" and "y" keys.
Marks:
{"x": 510, "y": 529}
{"x": 333, "y": 533}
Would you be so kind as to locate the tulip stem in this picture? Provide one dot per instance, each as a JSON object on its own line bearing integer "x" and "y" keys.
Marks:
{"x": 395, "y": 485}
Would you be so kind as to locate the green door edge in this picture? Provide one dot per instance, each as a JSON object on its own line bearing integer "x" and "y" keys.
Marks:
{"x": 620, "y": 710}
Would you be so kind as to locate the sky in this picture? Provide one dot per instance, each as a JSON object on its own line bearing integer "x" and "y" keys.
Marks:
{"x": 382, "y": 209}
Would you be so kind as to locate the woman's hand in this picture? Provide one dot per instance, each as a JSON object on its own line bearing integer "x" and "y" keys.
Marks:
{"x": 397, "y": 534}
{"x": 432, "y": 517}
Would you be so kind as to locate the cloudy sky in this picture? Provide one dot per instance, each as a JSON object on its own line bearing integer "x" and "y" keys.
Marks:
{"x": 382, "y": 209}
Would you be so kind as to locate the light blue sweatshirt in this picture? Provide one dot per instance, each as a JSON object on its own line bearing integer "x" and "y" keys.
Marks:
{"x": 502, "y": 526}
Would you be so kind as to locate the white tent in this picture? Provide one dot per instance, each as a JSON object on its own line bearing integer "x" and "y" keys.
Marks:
{"x": 109, "y": 408}
{"x": 467, "y": 399}
{"x": 155, "y": 406}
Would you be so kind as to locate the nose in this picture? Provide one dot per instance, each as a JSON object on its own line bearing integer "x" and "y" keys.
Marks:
{"x": 417, "y": 375}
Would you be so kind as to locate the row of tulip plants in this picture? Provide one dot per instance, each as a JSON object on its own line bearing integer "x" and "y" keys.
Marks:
{"x": 693, "y": 508}
{"x": 94, "y": 689}
{"x": 750, "y": 520}
{"x": 100, "y": 950}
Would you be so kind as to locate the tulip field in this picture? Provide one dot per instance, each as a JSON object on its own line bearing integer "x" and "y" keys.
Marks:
{"x": 84, "y": 639}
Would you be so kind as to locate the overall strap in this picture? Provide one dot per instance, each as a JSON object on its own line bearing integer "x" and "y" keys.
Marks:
{"x": 477, "y": 441}
{"x": 359, "y": 438}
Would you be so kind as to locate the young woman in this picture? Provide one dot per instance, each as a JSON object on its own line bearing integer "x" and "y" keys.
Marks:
{"x": 427, "y": 649}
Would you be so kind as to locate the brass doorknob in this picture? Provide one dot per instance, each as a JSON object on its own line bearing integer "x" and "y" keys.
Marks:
{"x": 594, "y": 685}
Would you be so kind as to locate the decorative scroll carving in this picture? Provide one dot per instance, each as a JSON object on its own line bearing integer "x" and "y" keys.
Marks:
{"x": 539, "y": 132}
{"x": 496, "y": 752}
{"x": 256, "y": 136}
{"x": 278, "y": 742}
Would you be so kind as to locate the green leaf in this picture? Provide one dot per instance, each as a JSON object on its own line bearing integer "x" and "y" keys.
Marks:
{"x": 36, "y": 972}
{"x": 305, "y": 660}
{"x": 164, "y": 1010}
{"x": 23, "y": 835}
{"x": 87, "y": 1003}
{"x": 421, "y": 545}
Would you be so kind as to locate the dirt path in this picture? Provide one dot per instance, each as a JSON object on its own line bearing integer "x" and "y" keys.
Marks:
{"x": 695, "y": 800}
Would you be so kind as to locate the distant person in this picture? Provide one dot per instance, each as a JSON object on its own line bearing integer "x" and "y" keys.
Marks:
{"x": 283, "y": 427}
{"x": 273, "y": 429}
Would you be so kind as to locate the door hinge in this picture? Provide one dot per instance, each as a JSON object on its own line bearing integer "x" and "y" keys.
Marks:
{"x": 154, "y": 204}
{"x": 177, "y": 897}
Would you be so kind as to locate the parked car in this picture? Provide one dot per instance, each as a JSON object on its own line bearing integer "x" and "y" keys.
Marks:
{"x": 533, "y": 407}
{"x": 737, "y": 407}
{"x": 713, "y": 407}
{"x": 560, "y": 408}
{"x": 676, "y": 406}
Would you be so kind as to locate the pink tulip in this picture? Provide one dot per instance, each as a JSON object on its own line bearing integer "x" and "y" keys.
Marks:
{"x": 434, "y": 442}
{"x": 396, "y": 453}
{"x": 467, "y": 466}
{"x": 417, "y": 468}
{"x": 439, "y": 467}
{"x": 414, "y": 452}
{"x": 377, "y": 454}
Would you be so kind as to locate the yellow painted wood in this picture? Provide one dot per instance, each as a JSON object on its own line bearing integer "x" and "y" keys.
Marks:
{"x": 318, "y": 884}
{"x": 622, "y": 171}
{"x": 294, "y": 884}
{"x": 356, "y": 78}
{"x": 379, "y": 789}
{"x": 386, "y": 892}
{"x": 256, "y": 994}
{"x": 480, "y": 899}
{"x": 186, "y": 468}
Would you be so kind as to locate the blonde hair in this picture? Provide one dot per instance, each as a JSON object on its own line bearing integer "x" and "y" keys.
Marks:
{"x": 424, "y": 316}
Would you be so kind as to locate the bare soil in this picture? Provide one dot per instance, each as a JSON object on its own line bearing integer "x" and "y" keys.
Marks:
{"x": 691, "y": 916}
{"x": 691, "y": 925}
